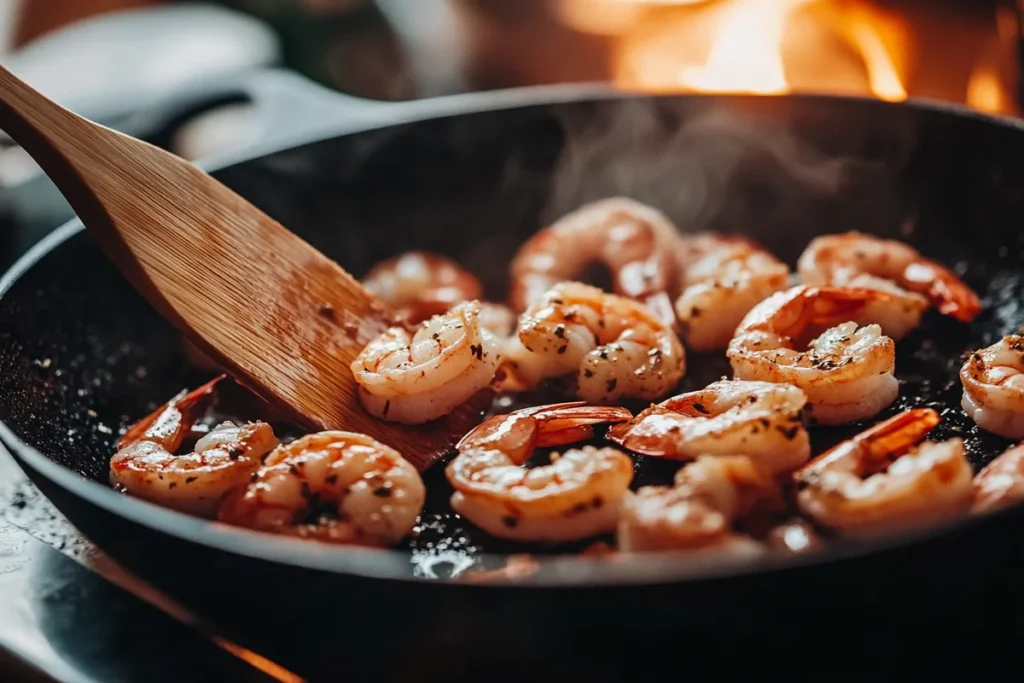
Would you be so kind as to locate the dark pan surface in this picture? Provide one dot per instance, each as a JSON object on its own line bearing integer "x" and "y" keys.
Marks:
{"x": 82, "y": 356}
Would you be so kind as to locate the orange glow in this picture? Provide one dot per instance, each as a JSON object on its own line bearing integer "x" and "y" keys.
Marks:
{"x": 883, "y": 79}
{"x": 259, "y": 662}
{"x": 985, "y": 88}
{"x": 766, "y": 47}
{"x": 985, "y": 91}
{"x": 747, "y": 52}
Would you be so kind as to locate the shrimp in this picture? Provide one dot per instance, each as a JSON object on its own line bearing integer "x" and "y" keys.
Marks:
{"x": 762, "y": 420}
{"x": 636, "y": 242}
{"x": 731, "y": 276}
{"x": 1001, "y": 483}
{"x": 993, "y": 380}
{"x": 854, "y": 259}
{"x": 846, "y": 372}
{"x": 421, "y": 284}
{"x": 611, "y": 346}
{"x": 415, "y": 378}
{"x": 698, "y": 511}
{"x": 885, "y": 479}
{"x": 498, "y": 319}
{"x": 574, "y": 497}
{"x": 337, "y": 487}
{"x": 146, "y": 467}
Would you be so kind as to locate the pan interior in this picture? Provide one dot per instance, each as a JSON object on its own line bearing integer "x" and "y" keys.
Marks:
{"x": 82, "y": 356}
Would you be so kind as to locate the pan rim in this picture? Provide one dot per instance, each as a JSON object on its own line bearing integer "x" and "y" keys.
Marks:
{"x": 554, "y": 571}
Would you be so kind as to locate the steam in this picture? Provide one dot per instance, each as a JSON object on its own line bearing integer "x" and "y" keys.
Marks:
{"x": 710, "y": 165}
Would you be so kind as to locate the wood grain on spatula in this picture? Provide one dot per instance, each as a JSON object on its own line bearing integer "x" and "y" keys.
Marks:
{"x": 284, "y": 319}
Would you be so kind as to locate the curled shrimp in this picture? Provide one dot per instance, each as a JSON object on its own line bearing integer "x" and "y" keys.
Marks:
{"x": 414, "y": 378}
{"x": 885, "y": 479}
{"x": 1001, "y": 483}
{"x": 993, "y": 380}
{"x": 846, "y": 371}
{"x": 613, "y": 347}
{"x": 421, "y": 284}
{"x": 724, "y": 276}
{"x": 636, "y": 242}
{"x": 337, "y": 487}
{"x": 696, "y": 513}
{"x": 145, "y": 465}
{"x": 854, "y": 259}
{"x": 762, "y": 420}
{"x": 576, "y": 496}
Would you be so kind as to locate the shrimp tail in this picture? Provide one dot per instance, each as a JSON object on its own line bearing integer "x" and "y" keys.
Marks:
{"x": 645, "y": 434}
{"x": 945, "y": 290}
{"x": 686, "y": 404}
{"x": 574, "y": 424}
{"x": 838, "y": 303}
{"x": 885, "y": 441}
{"x": 898, "y": 434}
{"x": 169, "y": 423}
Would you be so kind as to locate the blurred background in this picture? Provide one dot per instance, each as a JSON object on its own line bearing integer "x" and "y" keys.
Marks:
{"x": 121, "y": 61}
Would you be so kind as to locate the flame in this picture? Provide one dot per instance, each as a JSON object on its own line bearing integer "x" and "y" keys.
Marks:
{"x": 747, "y": 52}
{"x": 767, "y": 47}
{"x": 883, "y": 79}
{"x": 986, "y": 89}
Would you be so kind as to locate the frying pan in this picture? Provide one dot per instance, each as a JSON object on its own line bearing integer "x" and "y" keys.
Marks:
{"x": 82, "y": 356}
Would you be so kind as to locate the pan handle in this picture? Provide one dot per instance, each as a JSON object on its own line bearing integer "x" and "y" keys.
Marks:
{"x": 256, "y": 112}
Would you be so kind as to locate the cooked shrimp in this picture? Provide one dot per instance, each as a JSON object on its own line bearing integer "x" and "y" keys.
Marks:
{"x": 414, "y": 378}
{"x": 761, "y": 420}
{"x": 636, "y": 242}
{"x": 611, "y": 346}
{"x": 993, "y": 380}
{"x": 846, "y": 372}
{"x": 420, "y": 284}
{"x": 885, "y": 479}
{"x": 337, "y": 487}
{"x": 854, "y": 259}
{"x": 146, "y": 467}
{"x": 1001, "y": 483}
{"x": 721, "y": 285}
{"x": 574, "y": 497}
{"x": 698, "y": 512}
{"x": 498, "y": 319}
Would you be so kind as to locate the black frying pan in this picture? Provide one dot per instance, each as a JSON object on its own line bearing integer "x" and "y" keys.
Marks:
{"x": 81, "y": 355}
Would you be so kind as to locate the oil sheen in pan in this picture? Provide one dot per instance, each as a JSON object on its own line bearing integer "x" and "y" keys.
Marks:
{"x": 927, "y": 365}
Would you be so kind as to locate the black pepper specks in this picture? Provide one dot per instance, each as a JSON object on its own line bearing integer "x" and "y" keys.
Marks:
{"x": 788, "y": 432}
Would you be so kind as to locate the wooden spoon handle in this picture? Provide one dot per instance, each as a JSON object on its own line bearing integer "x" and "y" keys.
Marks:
{"x": 54, "y": 137}
{"x": 284, "y": 319}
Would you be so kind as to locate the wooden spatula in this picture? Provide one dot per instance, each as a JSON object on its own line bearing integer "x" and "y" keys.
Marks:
{"x": 284, "y": 319}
